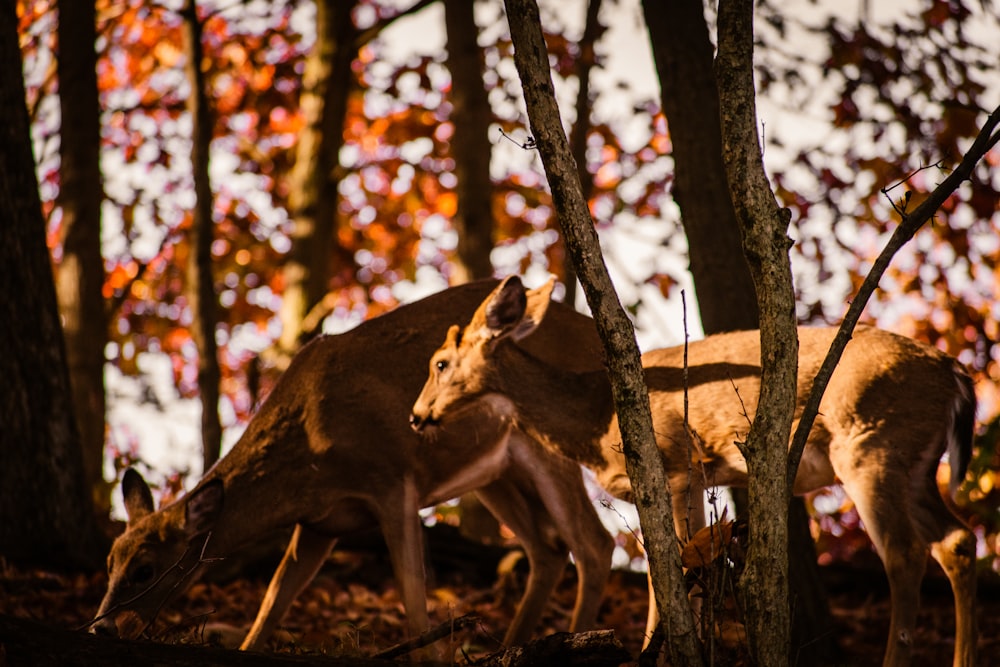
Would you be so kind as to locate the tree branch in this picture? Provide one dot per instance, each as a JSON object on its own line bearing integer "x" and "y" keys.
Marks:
{"x": 988, "y": 137}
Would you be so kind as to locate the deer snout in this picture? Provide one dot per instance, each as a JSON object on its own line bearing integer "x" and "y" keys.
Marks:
{"x": 105, "y": 627}
{"x": 417, "y": 423}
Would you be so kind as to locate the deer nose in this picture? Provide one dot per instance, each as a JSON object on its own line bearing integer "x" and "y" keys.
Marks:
{"x": 416, "y": 423}
{"x": 105, "y": 628}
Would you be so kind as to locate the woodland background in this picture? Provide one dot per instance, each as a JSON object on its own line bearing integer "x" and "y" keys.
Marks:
{"x": 222, "y": 180}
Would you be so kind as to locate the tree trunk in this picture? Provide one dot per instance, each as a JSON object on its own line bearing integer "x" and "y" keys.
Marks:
{"x": 326, "y": 85}
{"x": 581, "y": 127}
{"x": 200, "y": 282}
{"x": 45, "y": 511}
{"x": 80, "y": 277}
{"x": 471, "y": 147}
{"x": 764, "y": 583}
{"x": 682, "y": 52}
{"x": 631, "y": 398}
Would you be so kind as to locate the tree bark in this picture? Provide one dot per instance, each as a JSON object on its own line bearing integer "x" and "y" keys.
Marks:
{"x": 471, "y": 147}
{"x": 592, "y": 29}
{"x": 312, "y": 200}
{"x": 200, "y": 281}
{"x": 45, "y": 512}
{"x": 80, "y": 277}
{"x": 643, "y": 461}
{"x": 682, "y": 53}
{"x": 764, "y": 225}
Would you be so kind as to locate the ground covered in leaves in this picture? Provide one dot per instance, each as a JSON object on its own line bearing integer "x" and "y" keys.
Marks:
{"x": 353, "y": 608}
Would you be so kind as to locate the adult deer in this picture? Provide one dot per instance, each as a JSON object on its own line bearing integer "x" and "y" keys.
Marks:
{"x": 329, "y": 452}
{"x": 890, "y": 411}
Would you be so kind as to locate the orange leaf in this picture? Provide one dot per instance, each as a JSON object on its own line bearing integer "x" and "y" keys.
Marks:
{"x": 447, "y": 204}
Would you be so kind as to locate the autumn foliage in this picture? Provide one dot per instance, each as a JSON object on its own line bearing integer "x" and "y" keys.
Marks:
{"x": 885, "y": 105}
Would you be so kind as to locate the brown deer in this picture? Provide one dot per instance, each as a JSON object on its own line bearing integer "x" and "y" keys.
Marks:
{"x": 330, "y": 452}
{"x": 892, "y": 408}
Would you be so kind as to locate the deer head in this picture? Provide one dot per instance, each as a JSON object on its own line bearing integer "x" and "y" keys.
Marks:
{"x": 458, "y": 374}
{"x": 157, "y": 557}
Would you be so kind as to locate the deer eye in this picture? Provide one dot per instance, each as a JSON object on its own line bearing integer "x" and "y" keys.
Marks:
{"x": 441, "y": 365}
{"x": 142, "y": 574}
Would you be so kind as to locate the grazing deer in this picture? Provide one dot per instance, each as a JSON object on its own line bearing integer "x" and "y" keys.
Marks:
{"x": 892, "y": 408}
{"x": 330, "y": 452}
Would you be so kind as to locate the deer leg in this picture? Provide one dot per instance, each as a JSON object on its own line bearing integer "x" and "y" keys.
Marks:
{"x": 306, "y": 552}
{"x": 882, "y": 504}
{"x": 953, "y": 545}
{"x": 399, "y": 519}
{"x": 570, "y": 513}
{"x": 520, "y": 509}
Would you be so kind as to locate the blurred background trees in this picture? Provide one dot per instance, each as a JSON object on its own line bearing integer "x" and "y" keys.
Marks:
{"x": 355, "y": 154}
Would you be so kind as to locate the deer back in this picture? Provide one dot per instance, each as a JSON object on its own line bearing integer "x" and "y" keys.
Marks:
{"x": 902, "y": 393}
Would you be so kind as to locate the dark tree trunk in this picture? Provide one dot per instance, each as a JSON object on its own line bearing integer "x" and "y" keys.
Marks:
{"x": 326, "y": 85}
{"x": 470, "y": 146}
{"x": 682, "y": 52}
{"x": 200, "y": 282}
{"x": 81, "y": 271}
{"x": 473, "y": 221}
{"x": 45, "y": 512}
{"x": 726, "y": 299}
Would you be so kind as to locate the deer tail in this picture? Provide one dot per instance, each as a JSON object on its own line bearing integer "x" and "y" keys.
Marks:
{"x": 960, "y": 435}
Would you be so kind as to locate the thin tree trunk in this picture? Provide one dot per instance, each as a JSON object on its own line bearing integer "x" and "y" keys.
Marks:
{"x": 326, "y": 85}
{"x": 45, "y": 511}
{"x": 200, "y": 282}
{"x": 471, "y": 147}
{"x": 581, "y": 127}
{"x": 473, "y": 220}
{"x": 683, "y": 52}
{"x": 765, "y": 240}
{"x": 81, "y": 271}
{"x": 631, "y": 398}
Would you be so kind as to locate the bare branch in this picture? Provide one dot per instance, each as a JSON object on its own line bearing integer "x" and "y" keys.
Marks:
{"x": 376, "y": 29}
{"x": 443, "y": 630}
{"x": 986, "y": 140}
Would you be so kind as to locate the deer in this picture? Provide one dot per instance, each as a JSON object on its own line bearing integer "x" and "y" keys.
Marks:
{"x": 892, "y": 408}
{"x": 329, "y": 452}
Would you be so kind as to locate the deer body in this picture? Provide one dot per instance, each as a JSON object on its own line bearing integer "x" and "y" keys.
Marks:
{"x": 891, "y": 410}
{"x": 329, "y": 452}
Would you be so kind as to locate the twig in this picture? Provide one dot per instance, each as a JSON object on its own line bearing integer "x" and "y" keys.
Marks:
{"x": 440, "y": 632}
{"x": 528, "y": 145}
{"x": 687, "y": 421}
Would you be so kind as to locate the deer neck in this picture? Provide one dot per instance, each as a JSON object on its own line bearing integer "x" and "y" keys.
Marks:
{"x": 569, "y": 412}
{"x": 255, "y": 482}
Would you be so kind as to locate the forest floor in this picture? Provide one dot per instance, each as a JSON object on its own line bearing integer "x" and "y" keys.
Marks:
{"x": 353, "y": 608}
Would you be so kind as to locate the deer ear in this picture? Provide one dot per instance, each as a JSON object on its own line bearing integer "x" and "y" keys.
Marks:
{"x": 510, "y": 310}
{"x": 136, "y": 495}
{"x": 538, "y": 301}
{"x": 505, "y": 307}
{"x": 202, "y": 508}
